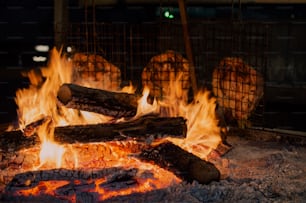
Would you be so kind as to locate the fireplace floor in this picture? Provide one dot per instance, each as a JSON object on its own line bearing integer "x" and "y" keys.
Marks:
{"x": 252, "y": 171}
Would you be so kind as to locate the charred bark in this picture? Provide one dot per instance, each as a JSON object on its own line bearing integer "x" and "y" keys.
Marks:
{"x": 114, "y": 104}
{"x": 143, "y": 129}
{"x": 11, "y": 141}
{"x": 182, "y": 163}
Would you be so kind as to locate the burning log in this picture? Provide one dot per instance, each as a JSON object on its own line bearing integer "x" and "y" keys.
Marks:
{"x": 114, "y": 104}
{"x": 146, "y": 129}
{"x": 182, "y": 163}
{"x": 15, "y": 140}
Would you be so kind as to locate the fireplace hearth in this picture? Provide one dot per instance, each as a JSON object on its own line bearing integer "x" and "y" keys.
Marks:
{"x": 253, "y": 170}
{"x": 153, "y": 109}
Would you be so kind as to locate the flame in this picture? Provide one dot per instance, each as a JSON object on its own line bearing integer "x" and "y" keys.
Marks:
{"x": 102, "y": 156}
{"x": 129, "y": 89}
{"x": 203, "y": 134}
{"x": 51, "y": 152}
{"x": 39, "y": 101}
{"x": 144, "y": 107}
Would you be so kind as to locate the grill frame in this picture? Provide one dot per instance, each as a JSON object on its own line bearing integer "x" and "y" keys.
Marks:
{"x": 131, "y": 47}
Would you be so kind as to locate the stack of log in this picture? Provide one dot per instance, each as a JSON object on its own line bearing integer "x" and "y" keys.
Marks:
{"x": 159, "y": 75}
{"x": 95, "y": 71}
{"x": 162, "y": 70}
{"x": 237, "y": 86}
{"x": 147, "y": 129}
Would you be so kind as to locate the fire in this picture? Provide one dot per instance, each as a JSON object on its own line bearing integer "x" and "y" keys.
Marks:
{"x": 51, "y": 152}
{"x": 94, "y": 160}
{"x": 39, "y": 101}
{"x": 203, "y": 133}
{"x": 143, "y": 106}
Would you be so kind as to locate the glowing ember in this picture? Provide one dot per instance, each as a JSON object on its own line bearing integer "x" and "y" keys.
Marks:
{"x": 51, "y": 153}
{"x": 39, "y": 101}
{"x": 106, "y": 169}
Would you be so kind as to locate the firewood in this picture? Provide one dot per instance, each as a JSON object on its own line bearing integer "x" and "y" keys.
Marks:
{"x": 237, "y": 86}
{"x": 114, "y": 104}
{"x": 15, "y": 140}
{"x": 144, "y": 129}
{"x": 182, "y": 163}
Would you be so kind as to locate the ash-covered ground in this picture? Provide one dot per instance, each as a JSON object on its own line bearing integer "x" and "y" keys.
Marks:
{"x": 252, "y": 171}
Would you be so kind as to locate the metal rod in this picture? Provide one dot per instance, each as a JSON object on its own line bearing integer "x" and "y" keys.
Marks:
{"x": 60, "y": 21}
{"x": 188, "y": 48}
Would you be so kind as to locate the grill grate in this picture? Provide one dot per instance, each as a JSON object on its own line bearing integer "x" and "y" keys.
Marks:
{"x": 130, "y": 47}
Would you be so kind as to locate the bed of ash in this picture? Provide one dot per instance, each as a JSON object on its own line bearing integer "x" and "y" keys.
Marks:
{"x": 252, "y": 171}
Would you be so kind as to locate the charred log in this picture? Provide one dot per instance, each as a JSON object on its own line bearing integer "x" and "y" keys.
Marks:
{"x": 15, "y": 140}
{"x": 144, "y": 129}
{"x": 114, "y": 104}
{"x": 182, "y": 163}
{"x": 147, "y": 128}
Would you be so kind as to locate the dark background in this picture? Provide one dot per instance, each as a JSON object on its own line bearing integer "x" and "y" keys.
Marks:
{"x": 26, "y": 23}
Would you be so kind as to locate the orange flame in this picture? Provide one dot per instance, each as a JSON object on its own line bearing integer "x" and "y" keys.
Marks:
{"x": 39, "y": 100}
{"x": 144, "y": 107}
{"x": 203, "y": 132}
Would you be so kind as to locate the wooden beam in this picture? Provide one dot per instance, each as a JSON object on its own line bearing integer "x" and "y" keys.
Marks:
{"x": 60, "y": 21}
{"x": 187, "y": 42}
{"x": 182, "y": 163}
{"x": 144, "y": 129}
{"x": 114, "y": 104}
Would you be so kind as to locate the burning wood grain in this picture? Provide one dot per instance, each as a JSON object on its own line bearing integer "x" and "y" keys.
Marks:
{"x": 185, "y": 165}
{"x": 115, "y": 104}
{"x": 144, "y": 129}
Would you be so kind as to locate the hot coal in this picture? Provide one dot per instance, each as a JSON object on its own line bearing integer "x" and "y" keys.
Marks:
{"x": 253, "y": 171}
{"x": 118, "y": 181}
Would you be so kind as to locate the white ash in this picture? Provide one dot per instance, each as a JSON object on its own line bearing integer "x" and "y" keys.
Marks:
{"x": 252, "y": 171}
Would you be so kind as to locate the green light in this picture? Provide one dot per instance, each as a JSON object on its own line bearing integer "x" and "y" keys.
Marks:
{"x": 167, "y": 14}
